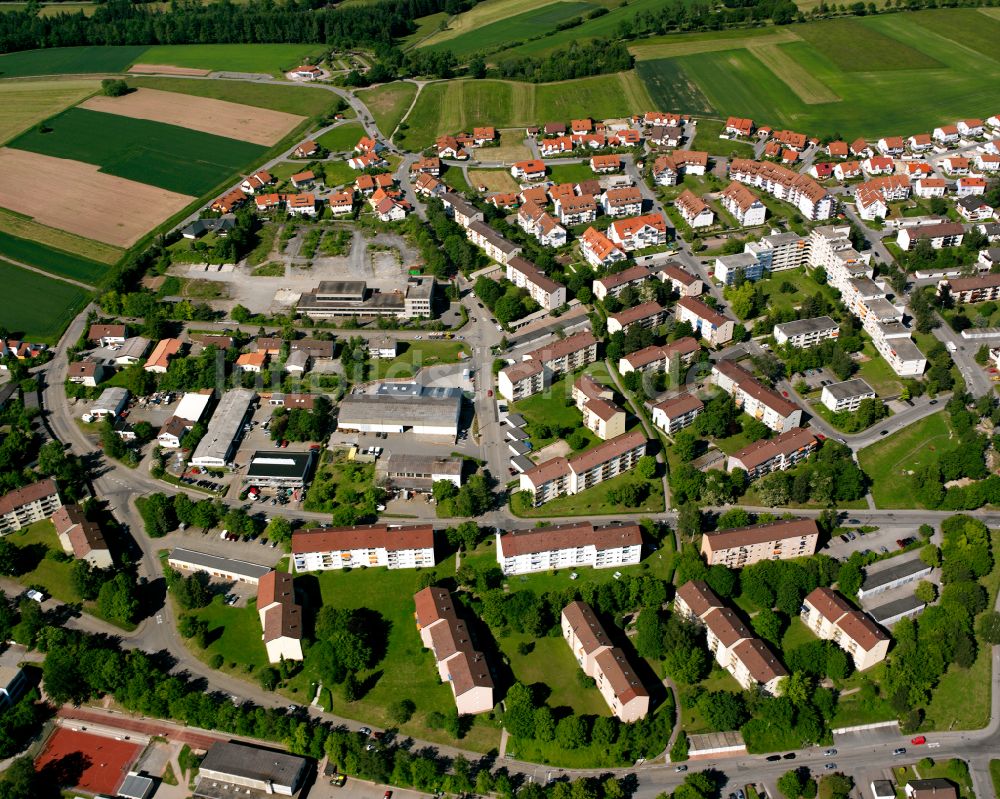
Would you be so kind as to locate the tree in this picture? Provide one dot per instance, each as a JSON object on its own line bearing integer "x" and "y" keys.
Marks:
{"x": 685, "y": 445}
{"x": 988, "y": 627}
{"x": 111, "y": 87}
{"x": 723, "y": 710}
{"x": 646, "y": 467}
{"x": 116, "y": 599}
{"x": 402, "y": 711}
{"x": 649, "y": 634}
{"x": 519, "y": 718}
{"x": 279, "y": 529}
{"x": 571, "y": 732}
{"x": 769, "y": 625}
{"x": 791, "y": 784}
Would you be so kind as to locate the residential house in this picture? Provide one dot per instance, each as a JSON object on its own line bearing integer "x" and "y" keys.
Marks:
{"x": 626, "y": 201}
{"x": 528, "y": 170}
{"x": 970, "y": 127}
{"x": 775, "y": 454}
{"x": 87, "y": 372}
{"x": 736, "y": 126}
{"x": 970, "y": 185}
{"x": 939, "y": 234}
{"x": 639, "y": 232}
{"x": 891, "y": 145}
{"x": 704, "y": 320}
{"x": 307, "y": 149}
{"x": 847, "y": 170}
{"x": 576, "y": 210}
{"x": 106, "y": 335}
{"x": 81, "y": 537}
{"x": 676, "y": 413}
{"x": 973, "y": 208}
{"x": 280, "y": 616}
{"x": 744, "y": 546}
{"x": 925, "y": 188}
{"x": 341, "y": 203}
{"x": 253, "y": 362}
{"x": 229, "y": 201}
{"x": 159, "y": 358}
{"x": 257, "y": 181}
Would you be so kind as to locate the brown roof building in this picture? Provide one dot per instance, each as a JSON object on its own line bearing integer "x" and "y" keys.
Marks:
{"x": 743, "y": 546}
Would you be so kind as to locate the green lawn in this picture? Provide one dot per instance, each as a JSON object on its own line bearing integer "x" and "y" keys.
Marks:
{"x": 68, "y": 61}
{"x": 342, "y": 138}
{"x": 707, "y": 137}
{"x": 796, "y": 634}
{"x": 51, "y": 260}
{"x": 174, "y": 158}
{"x": 454, "y": 178}
{"x": 571, "y": 173}
{"x": 554, "y": 408}
{"x": 877, "y": 373}
{"x": 290, "y": 99}
{"x": 801, "y": 285}
{"x": 338, "y": 173}
{"x": 35, "y": 306}
{"x": 233, "y": 633}
{"x": 857, "y": 708}
{"x": 388, "y": 103}
{"x": 274, "y": 59}
{"x": 594, "y": 501}
{"x": 414, "y": 355}
{"x": 408, "y": 669}
{"x": 888, "y": 462}
{"x": 955, "y": 770}
{"x": 995, "y": 776}
{"x": 425, "y": 27}
{"x": 50, "y": 574}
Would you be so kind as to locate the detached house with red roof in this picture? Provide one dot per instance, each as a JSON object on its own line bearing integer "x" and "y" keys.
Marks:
{"x": 448, "y": 147}
{"x": 946, "y": 134}
{"x": 484, "y": 135}
{"x": 920, "y": 143}
{"x": 970, "y": 127}
{"x": 528, "y": 170}
{"x": 891, "y": 145}
{"x": 603, "y": 164}
{"x": 735, "y": 126}
{"x": 257, "y": 181}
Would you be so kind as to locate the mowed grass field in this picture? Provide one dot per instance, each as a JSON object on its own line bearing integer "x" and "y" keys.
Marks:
{"x": 68, "y": 61}
{"x": 57, "y": 262}
{"x": 25, "y": 103}
{"x": 35, "y": 306}
{"x": 889, "y": 74}
{"x": 342, "y": 138}
{"x": 389, "y": 103}
{"x": 290, "y": 99}
{"x": 271, "y": 58}
{"x": 452, "y": 106}
{"x": 166, "y": 156}
{"x": 516, "y": 28}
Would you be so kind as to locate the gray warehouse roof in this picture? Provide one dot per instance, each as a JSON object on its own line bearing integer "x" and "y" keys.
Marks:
{"x": 897, "y": 608}
{"x": 224, "y": 427}
{"x": 898, "y": 571}
{"x": 251, "y": 762}
{"x": 219, "y": 564}
{"x": 854, "y": 387}
{"x": 406, "y": 404}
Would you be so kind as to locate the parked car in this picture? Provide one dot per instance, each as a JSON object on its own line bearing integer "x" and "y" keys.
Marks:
{"x": 830, "y": 766}
{"x": 680, "y": 769}
{"x": 920, "y": 739}
{"x": 339, "y": 780}
{"x": 898, "y": 752}
{"x": 365, "y": 731}
{"x": 773, "y": 758}
{"x": 789, "y": 756}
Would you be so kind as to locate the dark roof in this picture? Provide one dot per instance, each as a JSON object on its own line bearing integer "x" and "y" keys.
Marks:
{"x": 251, "y": 762}
{"x": 283, "y": 464}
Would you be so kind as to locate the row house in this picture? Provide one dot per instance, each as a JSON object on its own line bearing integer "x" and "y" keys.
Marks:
{"x": 775, "y": 454}
{"x": 665, "y": 135}
{"x": 813, "y": 201}
{"x": 743, "y": 204}
{"x": 613, "y": 285}
{"x": 497, "y": 247}
{"x": 664, "y": 118}
{"x": 660, "y": 358}
{"x": 504, "y": 201}
{"x": 639, "y": 232}
{"x": 558, "y": 477}
{"x": 568, "y": 546}
{"x": 730, "y": 641}
{"x": 744, "y": 546}
{"x": 461, "y": 210}
{"x": 676, "y": 413}
{"x": 458, "y": 662}
{"x": 790, "y": 139}
{"x": 648, "y": 314}
{"x": 542, "y": 289}
{"x": 427, "y": 166}
{"x": 625, "y": 201}
{"x": 369, "y": 184}
{"x": 708, "y": 323}
{"x": 369, "y": 545}
{"x": 555, "y": 146}
{"x": 831, "y": 617}
{"x": 230, "y": 201}
{"x": 682, "y": 282}
{"x": 538, "y": 368}
{"x": 599, "y": 251}
{"x": 694, "y": 210}
{"x": 803, "y": 333}
{"x": 607, "y": 665}
{"x": 756, "y": 399}
{"x": 361, "y": 162}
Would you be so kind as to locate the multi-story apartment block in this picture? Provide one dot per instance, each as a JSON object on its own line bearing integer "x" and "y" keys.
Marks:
{"x": 626, "y": 201}
{"x": 660, "y": 359}
{"x": 280, "y": 616}
{"x": 694, "y": 210}
{"x": 459, "y": 663}
{"x": 536, "y": 371}
{"x": 775, "y": 454}
{"x": 647, "y": 314}
{"x": 392, "y": 546}
{"x": 569, "y": 546}
{"x": 847, "y": 395}
{"x": 463, "y": 212}
{"x": 638, "y": 232}
{"x": 576, "y": 209}
{"x": 542, "y": 289}
{"x": 681, "y": 281}
{"x": 813, "y": 201}
{"x": 599, "y": 250}
{"x": 613, "y": 285}
{"x": 28, "y": 505}
{"x": 668, "y": 169}
{"x": 779, "y": 251}
{"x": 978, "y": 288}
{"x": 743, "y": 204}
{"x": 830, "y": 247}
{"x": 832, "y": 618}
{"x": 873, "y": 197}
{"x": 756, "y": 399}
{"x": 606, "y": 664}
{"x": 708, "y": 323}
{"x": 492, "y": 243}
{"x": 558, "y": 477}
{"x": 804, "y": 333}
{"x": 939, "y": 234}
{"x": 740, "y": 266}
{"x": 677, "y": 412}
{"x": 600, "y": 414}
{"x": 743, "y": 546}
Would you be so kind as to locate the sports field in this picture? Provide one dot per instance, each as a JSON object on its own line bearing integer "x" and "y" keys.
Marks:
{"x": 515, "y": 28}
{"x": 68, "y": 61}
{"x": 274, "y": 59}
{"x": 291, "y": 99}
{"x": 173, "y": 158}
{"x": 452, "y": 106}
{"x": 35, "y": 306}
{"x": 863, "y": 76}
{"x": 24, "y": 227}
{"x": 217, "y": 117}
{"x": 57, "y": 262}
{"x": 389, "y": 103}
{"x": 23, "y": 104}
{"x": 93, "y": 763}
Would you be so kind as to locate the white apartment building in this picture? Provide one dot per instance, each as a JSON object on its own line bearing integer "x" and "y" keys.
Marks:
{"x": 804, "y": 333}
{"x": 743, "y": 546}
{"x": 681, "y": 281}
{"x": 779, "y": 251}
{"x": 694, "y": 210}
{"x": 625, "y": 201}
{"x": 756, "y": 399}
{"x": 541, "y": 288}
{"x": 677, "y": 412}
{"x": 647, "y": 314}
{"x": 613, "y": 285}
{"x": 775, "y": 454}
{"x": 847, "y": 395}
{"x": 831, "y": 617}
{"x": 743, "y": 204}
{"x": 558, "y": 477}
{"x": 606, "y": 664}
{"x": 28, "y": 505}
{"x": 536, "y": 372}
{"x": 712, "y": 326}
{"x": 660, "y": 359}
{"x": 392, "y": 546}
{"x": 813, "y": 201}
{"x": 492, "y": 243}
{"x": 599, "y": 251}
{"x": 638, "y": 232}
{"x": 569, "y": 546}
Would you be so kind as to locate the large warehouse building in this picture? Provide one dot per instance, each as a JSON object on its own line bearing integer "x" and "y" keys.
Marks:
{"x": 236, "y": 769}
{"x": 280, "y": 469}
{"x": 396, "y": 407}
{"x": 218, "y": 446}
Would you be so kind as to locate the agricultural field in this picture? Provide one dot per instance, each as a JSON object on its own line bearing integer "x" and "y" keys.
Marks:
{"x": 35, "y": 306}
{"x": 290, "y": 99}
{"x": 24, "y": 227}
{"x": 342, "y": 138}
{"x": 918, "y": 69}
{"x": 68, "y": 61}
{"x": 274, "y": 59}
{"x": 52, "y": 9}
{"x": 452, "y": 106}
{"x": 515, "y": 28}
{"x": 167, "y": 156}
{"x": 495, "y": 180}
{"x": 23, "y": 104}
{"x": 426, "y": 26}
{"x": 55, "y": 261}
{"x": 389, "y": 103}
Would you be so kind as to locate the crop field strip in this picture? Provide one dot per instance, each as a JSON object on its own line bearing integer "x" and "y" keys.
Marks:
{"x": 291, "y": 99}
{"x": 270, "y": 58}
{"x": 25, "y": 103}
{"x": 678, "y": 45}
{"x": 672, "y": 88}
{"x": 481, "y": 15}
{"x": 805, "y": 85}
{"x": 24, "y": 227}
{"x": 68, "y": 61}
{"x": 216, "y": 117}
{"x": 170, "y": 157}
{"x": 58, "y": 262}
{"x": 37, "y": 306}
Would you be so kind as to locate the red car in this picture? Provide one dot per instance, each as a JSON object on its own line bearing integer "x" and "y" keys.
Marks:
{"x": 387, "y": 795}
{"x": 920, "y": 739}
